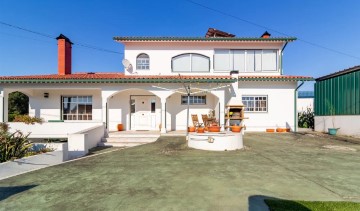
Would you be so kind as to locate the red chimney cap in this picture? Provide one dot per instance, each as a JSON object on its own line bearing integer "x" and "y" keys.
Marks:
{"x": 61, "y": 36}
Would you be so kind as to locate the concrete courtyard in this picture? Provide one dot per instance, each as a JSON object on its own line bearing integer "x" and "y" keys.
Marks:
{"x": 166, "y": 175}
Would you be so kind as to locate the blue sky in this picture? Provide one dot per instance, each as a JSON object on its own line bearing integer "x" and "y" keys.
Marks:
{"x": 329, "y": 23}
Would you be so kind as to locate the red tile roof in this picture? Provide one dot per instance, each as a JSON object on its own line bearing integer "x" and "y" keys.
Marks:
{"x": 275, "y": 78}
{"x": 110, "y": 77}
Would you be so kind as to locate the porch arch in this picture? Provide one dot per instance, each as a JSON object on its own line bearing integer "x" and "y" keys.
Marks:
{"x": 176, "y": 111}
{"x": 118, "y": 109}
{"x": 18, "y": 104}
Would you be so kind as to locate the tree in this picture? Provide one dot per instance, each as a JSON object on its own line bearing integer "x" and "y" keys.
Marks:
{"x": 18, "y": 104}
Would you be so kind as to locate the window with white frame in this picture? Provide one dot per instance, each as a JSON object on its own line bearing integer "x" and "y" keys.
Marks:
{"x": 245, "y": 60}
{"x": 142, "y": 62}
{"x": 255, "y": 103}
{"x": 190, "y": 62}
{"x": 194, "y": 100}
{"x": 76, "y": 107}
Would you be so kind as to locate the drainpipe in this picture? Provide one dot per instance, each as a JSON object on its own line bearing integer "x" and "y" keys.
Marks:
{"x": 295, "y": 105}
{"x": 188, "y": 112}
{"x": 281, "y": 58}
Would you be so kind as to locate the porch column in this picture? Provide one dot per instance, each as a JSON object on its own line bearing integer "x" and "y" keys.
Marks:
{"x": 163, "y": 115}
{"x": 221, "y": 95}
{"x": 2, "y": 107}
{"x": 104, "y": 116}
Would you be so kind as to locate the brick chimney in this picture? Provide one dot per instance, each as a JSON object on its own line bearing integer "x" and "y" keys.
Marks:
{"x": 64, "y": 55}
{"x": 266, "y": 35}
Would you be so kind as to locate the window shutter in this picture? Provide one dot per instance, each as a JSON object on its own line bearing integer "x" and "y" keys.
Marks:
{"x": 181, "y": 63}
{"x": 222, "y": 60}
{"x": 258, "y": 60}
{"x": 269, "y": 60}
{"x": 250, "y": 61}
{"x": 200, "y": 63}
{"x": 239, "y": 60}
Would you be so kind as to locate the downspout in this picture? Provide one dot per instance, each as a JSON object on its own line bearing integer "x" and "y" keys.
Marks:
{"x": 281, "y": 58}
{"x": 3, "y": 110}
{"x": 188, "y": 113}
{"x": 295, "y": 106}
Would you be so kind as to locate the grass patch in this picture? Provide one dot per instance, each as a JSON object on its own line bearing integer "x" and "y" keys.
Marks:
{"x": 282, "y": 205}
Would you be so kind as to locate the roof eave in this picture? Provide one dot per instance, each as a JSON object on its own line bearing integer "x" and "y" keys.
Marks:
{"x": 276, "y": 79}
{"x": 100, "y": 81}
{"x": 343, "y": 72}
{"x": 201, "y": 39}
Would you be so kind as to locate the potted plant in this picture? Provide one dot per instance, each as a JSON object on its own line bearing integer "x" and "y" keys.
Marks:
{"x": 191, "y": 129}
{"x": 214, "y": 128}
{"x": 200, "y": 130}
{"x": 332, "y": 111}
{"x": 236, "y": 128}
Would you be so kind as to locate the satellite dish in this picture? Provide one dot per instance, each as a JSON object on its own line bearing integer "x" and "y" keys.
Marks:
{"x": 127, "y": 65}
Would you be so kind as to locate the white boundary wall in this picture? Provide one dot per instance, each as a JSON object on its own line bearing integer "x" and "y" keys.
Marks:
{"x": 349, "y": 124}
{"x": 81, "y": 142}
{"x": 81, "y": 136}
{"x": 52, "y": 129}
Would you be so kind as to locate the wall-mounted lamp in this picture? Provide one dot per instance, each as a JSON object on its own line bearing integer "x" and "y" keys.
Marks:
{"x": 46, "y": 95}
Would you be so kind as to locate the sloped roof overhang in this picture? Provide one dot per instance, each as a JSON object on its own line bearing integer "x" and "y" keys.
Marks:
{"x": 111, "y": 78}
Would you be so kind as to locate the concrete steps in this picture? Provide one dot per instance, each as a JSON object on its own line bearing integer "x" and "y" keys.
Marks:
{"x": 128, "y": 140}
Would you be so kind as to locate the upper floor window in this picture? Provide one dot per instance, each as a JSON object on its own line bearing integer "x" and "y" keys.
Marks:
{"x": 142, "y": 62}
{"x": 245, "y": 60}
{"x": 190, "y": 62}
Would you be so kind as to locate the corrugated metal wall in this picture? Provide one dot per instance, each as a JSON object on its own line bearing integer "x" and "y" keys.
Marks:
{"x": 339, "y": 95}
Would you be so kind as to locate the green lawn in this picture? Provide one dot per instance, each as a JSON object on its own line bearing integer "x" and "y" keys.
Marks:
{"x": 166, "y": 175}
{"x": 285, "y": 205}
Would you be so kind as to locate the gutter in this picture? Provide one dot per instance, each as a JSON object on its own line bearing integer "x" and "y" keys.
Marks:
{"x": 295, "y": 105}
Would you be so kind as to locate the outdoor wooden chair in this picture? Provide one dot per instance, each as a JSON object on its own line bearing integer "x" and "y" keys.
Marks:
{"x": 205, "y": 120}
{"x": 195, "y": 120}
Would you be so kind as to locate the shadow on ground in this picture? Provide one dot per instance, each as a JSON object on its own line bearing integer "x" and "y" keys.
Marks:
{"x": 257, "y": 203}
{"x": 6, "y": 192}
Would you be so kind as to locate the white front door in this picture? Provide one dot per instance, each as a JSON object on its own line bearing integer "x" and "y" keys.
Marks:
{"x": 143, "y": 116}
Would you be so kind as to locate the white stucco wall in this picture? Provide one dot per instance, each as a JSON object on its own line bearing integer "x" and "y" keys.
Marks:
{"x": 349, "y": 124}
{"x": 280, "y": 104}
{"x": 50, "y": 108}
{"x": 304, "y": 103}
{"x": 176, "y": 112}
{"x": 160, "y": 54}
{"x": 52, "y": 129}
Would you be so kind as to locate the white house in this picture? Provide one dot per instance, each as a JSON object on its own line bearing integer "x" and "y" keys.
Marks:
{"x": 220, "y": 69}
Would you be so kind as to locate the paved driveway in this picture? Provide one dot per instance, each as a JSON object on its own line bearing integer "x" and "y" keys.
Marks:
{"x": 166, "y": 175}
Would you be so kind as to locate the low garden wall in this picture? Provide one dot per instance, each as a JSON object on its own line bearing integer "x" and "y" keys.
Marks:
{"x": 82, "y": 141}
{"x": 347, "y": 124}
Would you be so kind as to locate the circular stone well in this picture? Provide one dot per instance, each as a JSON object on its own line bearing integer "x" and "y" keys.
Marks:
{"x": 220, "y": 141}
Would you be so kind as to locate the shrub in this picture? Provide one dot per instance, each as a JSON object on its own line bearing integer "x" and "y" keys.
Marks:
{"x": 27, "y": 119}
{"x": 306, "y": 119}
{"x": 12, "y": 145}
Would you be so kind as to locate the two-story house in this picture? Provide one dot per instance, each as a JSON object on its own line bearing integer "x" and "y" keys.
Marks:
{"x": 151, "y": 94}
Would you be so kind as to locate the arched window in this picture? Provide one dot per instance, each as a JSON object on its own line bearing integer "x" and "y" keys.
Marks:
{"x": 142, "y": 62}
{"x": 190, "y": 62}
